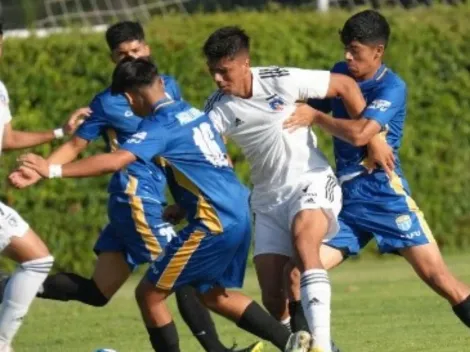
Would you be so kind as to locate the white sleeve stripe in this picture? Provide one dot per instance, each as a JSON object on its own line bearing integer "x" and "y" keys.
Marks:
{"x": 212, "y": 100}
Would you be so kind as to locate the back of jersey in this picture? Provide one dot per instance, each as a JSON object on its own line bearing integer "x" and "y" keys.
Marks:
{"x": 206, "y": 185}
{"x": 113, "y": 119}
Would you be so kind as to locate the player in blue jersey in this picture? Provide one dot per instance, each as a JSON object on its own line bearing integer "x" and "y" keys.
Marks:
{"x": 210, "y": 253}
{"x": 376, "y": 205}
{"x": 136, "y": 232}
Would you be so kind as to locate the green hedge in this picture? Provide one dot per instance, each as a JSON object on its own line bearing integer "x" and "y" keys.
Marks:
{"x": 48, "y": 78}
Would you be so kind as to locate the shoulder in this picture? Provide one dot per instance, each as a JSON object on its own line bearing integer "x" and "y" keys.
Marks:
{"x": 167, "y": 79}
{"x": 271, "y": 72}
{"x": 216, "y": 99}
{"x": 392, "y": 84}
{"x": 340, "y": 67}
{"x": 110, "y": 104}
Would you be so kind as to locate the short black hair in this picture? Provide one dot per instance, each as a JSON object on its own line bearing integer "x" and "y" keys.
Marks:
{"x": 125, "y": 31}
{"x": 133, "y": 73}
{"x": 226, "y": 42}
{"x": 367, "y": 27}
{"x": 1, "y": 28}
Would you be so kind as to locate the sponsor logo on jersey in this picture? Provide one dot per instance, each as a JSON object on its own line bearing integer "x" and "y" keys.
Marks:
{"x": 128, "y": 113}
{"x": 380, "y": 104}
{"x": 138, "y": 137}
{"x": 404, "y": 222}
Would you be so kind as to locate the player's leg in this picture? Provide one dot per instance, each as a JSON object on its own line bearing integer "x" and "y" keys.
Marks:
{"x": 428, "y": 263}
{"x": 111, "y": 271}
{"x": 399, "y": 226}
{"x": 314, "y": 214}
{"x": 273, "y": 249}
{"x": 22, "y": 245}
{"x": 331, "y": 257}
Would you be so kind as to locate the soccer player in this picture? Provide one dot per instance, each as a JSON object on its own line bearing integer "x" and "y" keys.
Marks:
{"x": 137, "y": 231}
{"x": 17, "y": 240}
{"x": 296, "y": 197}
{"x": 210, "y": 253}
{"x": 376, "y": 206}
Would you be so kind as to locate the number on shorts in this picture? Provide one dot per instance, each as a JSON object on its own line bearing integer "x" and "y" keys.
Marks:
{"x": 205, "y": 140}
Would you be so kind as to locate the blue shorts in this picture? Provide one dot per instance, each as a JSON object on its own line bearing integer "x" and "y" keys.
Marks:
{"x": 135, "y": 228}
{"x": 203, "y": 260}
{"x": 379, "y": 208}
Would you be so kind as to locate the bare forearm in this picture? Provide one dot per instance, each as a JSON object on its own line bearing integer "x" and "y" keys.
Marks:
{"x": 345, "y": 129}
{"x": 92, "y": 166}
{"x": 68, "y": 151}
{"x": 20, "y": 139}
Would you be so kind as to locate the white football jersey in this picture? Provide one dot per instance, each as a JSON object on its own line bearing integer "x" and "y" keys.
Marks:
{"x": 5, "y": 115}
{"x": 278, "y": 158}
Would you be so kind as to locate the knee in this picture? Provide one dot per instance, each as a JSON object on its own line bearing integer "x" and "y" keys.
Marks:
{"x": 214, "y": 298}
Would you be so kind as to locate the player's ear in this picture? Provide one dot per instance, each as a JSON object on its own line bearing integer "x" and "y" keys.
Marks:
{"x": 129, "y": 98}
{"x": 379, "y": 51}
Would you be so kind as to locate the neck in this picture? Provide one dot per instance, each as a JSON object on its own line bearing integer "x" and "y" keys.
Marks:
{"x": 371, "y": 73}
{"x": 247, "y": 90}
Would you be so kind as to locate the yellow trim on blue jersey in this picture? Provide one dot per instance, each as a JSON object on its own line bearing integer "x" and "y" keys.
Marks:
{"x": 397, "y": 186}
{"x": 177, "y": 264}
{"x": 112, "y": 138}
{"x": 204, "y": 210}
{"x": 141, "y": 225}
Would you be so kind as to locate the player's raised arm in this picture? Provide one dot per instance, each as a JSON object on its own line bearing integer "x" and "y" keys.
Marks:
{"x": 15, "y": 139}
{"x": 95, "y": 165}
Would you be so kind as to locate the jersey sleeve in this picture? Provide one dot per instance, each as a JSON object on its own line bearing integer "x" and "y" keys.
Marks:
{"x": 94, "y": 125}
{"x": 386, "y": 103}
{"x": 148, "y": 142}
{"x": 5, "y": 113}
{"x": 324, "y": 105}
{"x": 219, "y": 113}
{"x": 308, "y": 84}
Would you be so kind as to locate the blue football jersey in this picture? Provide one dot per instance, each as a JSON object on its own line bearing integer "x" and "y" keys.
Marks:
{"x": 113, "y": 119}
{"x": 184, "y": 138}
{"x": 385, "y": 95}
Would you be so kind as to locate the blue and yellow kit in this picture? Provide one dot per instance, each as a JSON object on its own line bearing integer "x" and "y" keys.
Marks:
{"x": 375, "y": 206}
{"x": 137, "y": 194}
{"x": 212, "y": 249}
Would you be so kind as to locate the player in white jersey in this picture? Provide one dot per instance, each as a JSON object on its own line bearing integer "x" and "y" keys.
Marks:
{"x": 296, "y": 197}
{"x": 17, "y": 240}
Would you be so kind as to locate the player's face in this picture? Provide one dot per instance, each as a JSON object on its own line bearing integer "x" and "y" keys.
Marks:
{"x": 232, "y": 75}
{"x": 133, "y": 48}
{"x": 363, "y": 60}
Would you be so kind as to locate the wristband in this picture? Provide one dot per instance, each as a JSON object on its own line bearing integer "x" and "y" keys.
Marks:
{"x": 59, "y": 133}
{"x": 55, "y": 171}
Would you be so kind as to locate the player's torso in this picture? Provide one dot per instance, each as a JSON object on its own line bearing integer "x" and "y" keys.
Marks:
{"x": 199, "y": 173}
{"x": 277, "y": 156}
{"x": 350, "y": 160}
{"x": 138, "y": 178}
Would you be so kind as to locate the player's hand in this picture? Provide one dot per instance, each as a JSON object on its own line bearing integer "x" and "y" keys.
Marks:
{"x": 303, "y": 116}
{"x": 35, "y": 162}
{"x": 380, "y": 153}
{"x": 24, "y": 177}
{"x": 173, "y": 214}
{"x": 75, "y": 120}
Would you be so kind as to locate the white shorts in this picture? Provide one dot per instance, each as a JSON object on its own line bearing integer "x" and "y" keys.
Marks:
{"x": 11, "y": 224}
{"x": 319, "y": 190}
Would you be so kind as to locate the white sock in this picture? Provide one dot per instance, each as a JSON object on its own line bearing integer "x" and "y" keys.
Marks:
{"x": 19, "y": 293}
{"x": 315, "y": 292}
{"x": 286, "y": 323}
